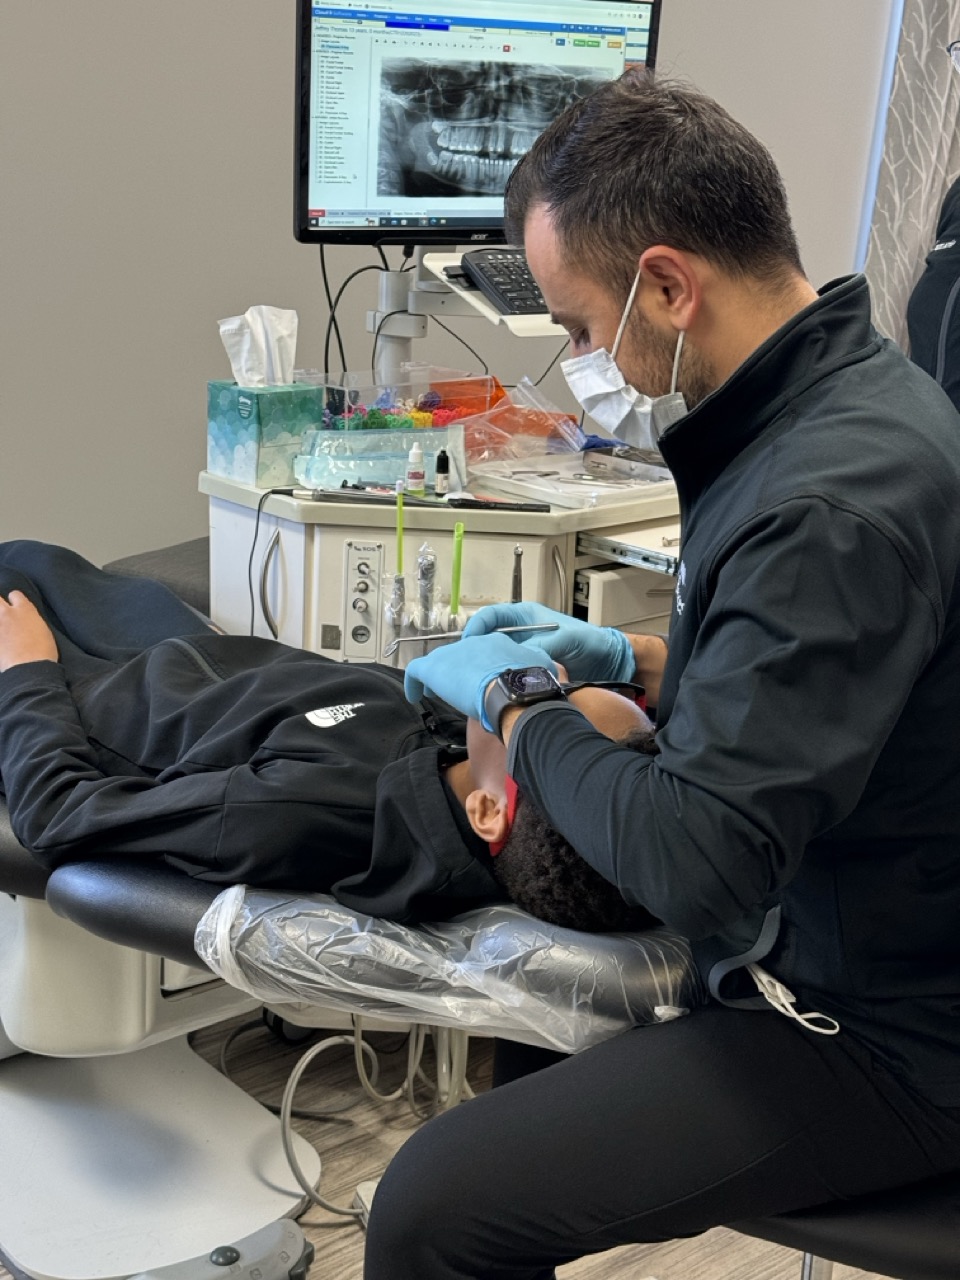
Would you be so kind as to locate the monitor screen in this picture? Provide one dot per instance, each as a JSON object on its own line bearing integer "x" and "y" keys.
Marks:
{"x": 411, "y": 116}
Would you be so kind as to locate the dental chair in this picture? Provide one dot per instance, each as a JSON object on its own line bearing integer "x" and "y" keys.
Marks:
{"x": 72, "y": 938}
{"x": 121, "y": 1151}
{"x": 910, "y": 1233}
{"x": 124, "y": 1153}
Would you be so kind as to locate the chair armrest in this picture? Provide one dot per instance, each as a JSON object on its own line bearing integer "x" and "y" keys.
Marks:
{"x": 20, "y": 873}
{"x": 148, "y": 906}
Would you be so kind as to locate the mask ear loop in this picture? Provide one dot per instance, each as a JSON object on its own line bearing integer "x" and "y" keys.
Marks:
{"x": 626, "y": 316}
{"x": 676, "y": 361}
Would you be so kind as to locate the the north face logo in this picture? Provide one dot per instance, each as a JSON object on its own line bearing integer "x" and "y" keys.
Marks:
{"x": 327, "y": 717}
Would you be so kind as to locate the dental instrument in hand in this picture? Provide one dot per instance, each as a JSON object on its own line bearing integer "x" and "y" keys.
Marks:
{"x": 532, "y": 627}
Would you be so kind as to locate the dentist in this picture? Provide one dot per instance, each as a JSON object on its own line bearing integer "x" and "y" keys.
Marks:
{"x": 802, "y": 820}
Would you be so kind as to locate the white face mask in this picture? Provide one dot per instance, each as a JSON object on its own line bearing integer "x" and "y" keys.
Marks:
{"x": 602, "y": 391}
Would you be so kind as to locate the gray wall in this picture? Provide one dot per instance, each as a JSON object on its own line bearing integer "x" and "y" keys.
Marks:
{"x": 145, "y": 192}
{"x": 807, "y": 79}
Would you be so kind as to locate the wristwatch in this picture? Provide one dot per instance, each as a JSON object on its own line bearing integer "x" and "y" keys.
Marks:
{"x": 519, "y": 687}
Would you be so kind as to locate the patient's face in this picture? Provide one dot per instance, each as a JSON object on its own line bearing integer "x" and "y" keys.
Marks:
{"x": 610, "y": 713}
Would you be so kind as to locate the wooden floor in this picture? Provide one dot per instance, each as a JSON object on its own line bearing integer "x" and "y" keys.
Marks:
{"x": 357, "y": 1146}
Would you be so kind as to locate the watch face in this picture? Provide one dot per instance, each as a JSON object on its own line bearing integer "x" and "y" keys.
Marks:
{"x": 530, "y": 681}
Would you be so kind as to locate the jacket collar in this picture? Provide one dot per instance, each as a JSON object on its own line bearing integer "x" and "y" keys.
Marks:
{"x": 833, "y": 331}
{"x": 948, "y": 223}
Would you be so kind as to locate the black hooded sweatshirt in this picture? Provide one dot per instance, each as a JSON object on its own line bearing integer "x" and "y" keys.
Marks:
{"x": 235, "y": 758}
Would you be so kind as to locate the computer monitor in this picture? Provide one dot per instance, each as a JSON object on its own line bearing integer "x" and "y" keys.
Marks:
{"x": 412, "y": 115}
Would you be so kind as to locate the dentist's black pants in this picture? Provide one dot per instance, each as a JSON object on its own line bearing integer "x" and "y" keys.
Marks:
{"x": 662, "y": 1132}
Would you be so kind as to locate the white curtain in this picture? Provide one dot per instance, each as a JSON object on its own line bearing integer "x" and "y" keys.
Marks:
{"x": 921, "y": 157}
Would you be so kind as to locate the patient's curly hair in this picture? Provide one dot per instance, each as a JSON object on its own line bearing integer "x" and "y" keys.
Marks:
{"x": 542, "y": 872}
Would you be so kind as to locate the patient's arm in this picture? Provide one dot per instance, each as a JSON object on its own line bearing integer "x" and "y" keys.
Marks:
{"x": 650, "y": 655}
{"x": 224, "y": 823}
{"x": 24, "y": 636}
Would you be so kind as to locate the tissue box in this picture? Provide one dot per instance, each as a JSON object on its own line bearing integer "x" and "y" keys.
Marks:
{"x": 253, "y": 433}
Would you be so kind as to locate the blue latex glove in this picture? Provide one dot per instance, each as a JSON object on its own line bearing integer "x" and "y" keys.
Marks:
{"x": 459, "y": 672}
{"x": 587, "y": 652}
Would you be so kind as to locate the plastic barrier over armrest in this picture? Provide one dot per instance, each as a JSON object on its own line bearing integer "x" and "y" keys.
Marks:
{"x": 495, "y": 971}
{"x": 148, "y": 906}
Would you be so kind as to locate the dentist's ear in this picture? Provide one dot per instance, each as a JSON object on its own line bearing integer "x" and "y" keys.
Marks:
{"x": 487, "y": 815}
{"x": 672, "y": 284}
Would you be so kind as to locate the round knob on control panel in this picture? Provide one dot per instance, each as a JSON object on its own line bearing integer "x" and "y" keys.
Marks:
{"x": 362, "y": 586}
{"x": 361, "y": 605}
{"x": 363, "y": 568}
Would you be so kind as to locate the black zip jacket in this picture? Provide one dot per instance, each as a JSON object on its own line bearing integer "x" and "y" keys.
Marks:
{"x": 237, "y": 759}
{"x": 933, "y": 312}
{"x": 809, "y": 767}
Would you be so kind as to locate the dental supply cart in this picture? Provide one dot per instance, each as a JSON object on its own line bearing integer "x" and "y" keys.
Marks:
{"x": 316, "y": 574}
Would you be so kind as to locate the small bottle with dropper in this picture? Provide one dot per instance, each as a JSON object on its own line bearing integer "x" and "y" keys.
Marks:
{"x": 415, "y": 482}
{"x": 441, "y": 483}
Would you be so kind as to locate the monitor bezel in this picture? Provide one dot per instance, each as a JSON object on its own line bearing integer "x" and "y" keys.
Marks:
{"x": 484, "y": 232}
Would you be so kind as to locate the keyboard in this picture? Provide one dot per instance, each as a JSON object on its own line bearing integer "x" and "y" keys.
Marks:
{"x": 503, "y": 277}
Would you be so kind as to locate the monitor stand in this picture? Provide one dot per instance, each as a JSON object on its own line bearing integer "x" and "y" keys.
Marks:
{"x": 408, "y": 298}
{"x": 405, "y": 300}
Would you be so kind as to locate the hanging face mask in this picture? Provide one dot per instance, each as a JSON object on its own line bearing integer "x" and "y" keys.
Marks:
{"x": 602, "y": 391}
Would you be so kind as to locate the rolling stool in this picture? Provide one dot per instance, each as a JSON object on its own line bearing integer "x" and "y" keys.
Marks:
{"x": 910, "y": 1233}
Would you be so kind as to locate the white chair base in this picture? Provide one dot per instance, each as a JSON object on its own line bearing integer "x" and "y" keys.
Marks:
{"x": 121, "y": 1164}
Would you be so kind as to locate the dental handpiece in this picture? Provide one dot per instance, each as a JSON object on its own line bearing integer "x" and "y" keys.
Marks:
{"x": 516, "y": 586}
{"x": 426, "y": 585}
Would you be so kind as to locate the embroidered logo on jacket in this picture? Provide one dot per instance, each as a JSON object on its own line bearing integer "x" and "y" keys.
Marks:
{"x": 681, "y": 582}
{"x": 943, "y": 244}
{"x": 327, "y": 717}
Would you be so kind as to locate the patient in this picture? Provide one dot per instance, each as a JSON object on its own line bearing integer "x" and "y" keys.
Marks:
{"x": 543, "y": 873}
{"x": 126, "y": 728}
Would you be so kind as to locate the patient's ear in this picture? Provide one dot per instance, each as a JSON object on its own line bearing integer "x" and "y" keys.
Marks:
{"x": 487, "y": 814}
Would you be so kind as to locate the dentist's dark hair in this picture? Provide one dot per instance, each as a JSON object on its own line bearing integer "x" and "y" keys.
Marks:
{"x": 641, "y": 162}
